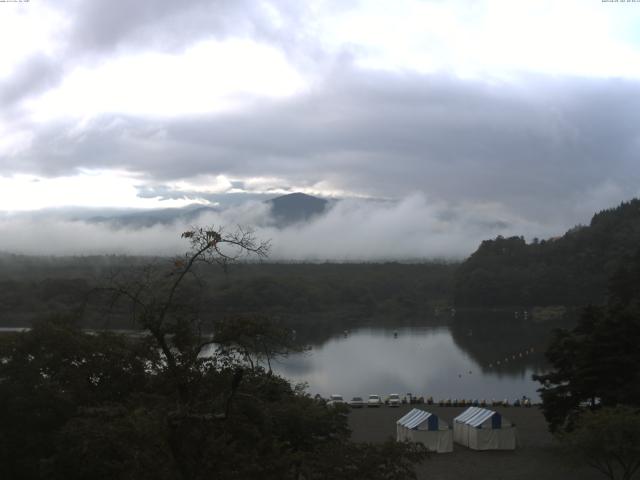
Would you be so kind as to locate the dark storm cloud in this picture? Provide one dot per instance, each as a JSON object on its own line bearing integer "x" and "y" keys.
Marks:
{"x": 541, "y": 147}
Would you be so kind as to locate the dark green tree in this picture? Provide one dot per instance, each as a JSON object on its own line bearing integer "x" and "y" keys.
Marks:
{"x": 50, "y": 374}
{"x": 595, "y": 364}
{"x": 608, "y": 440}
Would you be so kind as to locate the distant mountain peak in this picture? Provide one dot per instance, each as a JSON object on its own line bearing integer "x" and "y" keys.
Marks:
{"x": 294, "y": 195}
{"x": 296, "y": 207}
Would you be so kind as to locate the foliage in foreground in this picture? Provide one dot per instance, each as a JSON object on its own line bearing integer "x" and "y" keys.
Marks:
{"x": 592, "y": 397}
{"x": 174, "y": 403}
{"x": 596, "y": 363}
{"x": 609, "y": 441}
{"x": 77, "y": 406}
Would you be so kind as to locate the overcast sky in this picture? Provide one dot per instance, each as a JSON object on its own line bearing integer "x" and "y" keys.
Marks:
{"x": 530, "y": 109}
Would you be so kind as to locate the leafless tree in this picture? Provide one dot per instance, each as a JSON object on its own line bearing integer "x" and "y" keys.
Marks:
{"x": 153, "y": 291}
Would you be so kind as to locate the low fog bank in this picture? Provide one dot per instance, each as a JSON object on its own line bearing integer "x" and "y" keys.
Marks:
{"x": 351, "y": 230}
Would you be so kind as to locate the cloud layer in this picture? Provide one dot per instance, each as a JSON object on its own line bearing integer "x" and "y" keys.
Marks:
{"x": 352, "y": 230}
{"x": 480, "y": 103}
{"x": 535, "y": 150}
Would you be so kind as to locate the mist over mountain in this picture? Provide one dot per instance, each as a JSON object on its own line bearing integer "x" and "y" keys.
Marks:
{"x": 351, "y": 229}
{"x": 141, "y": 219}
{"x": 283, "y": 211}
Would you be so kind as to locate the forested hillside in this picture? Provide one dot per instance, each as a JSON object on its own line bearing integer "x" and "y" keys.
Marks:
{"x": 310, "y": 293}
{"x": 570, "y": 270}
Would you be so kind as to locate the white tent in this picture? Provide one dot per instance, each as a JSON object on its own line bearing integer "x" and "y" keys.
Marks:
{"x": 482, "y": 429}
{"x": 426, "y": 428}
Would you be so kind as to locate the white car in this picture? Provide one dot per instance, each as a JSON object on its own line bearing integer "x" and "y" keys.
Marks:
{"x": 357, "y": 402}
{"x": 394, "y": 400}
{"x": 374, "y": 401}
{"x": 335, "y": 399}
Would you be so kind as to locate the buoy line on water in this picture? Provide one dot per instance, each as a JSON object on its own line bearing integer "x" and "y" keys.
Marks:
{"x": 512, "y": 358}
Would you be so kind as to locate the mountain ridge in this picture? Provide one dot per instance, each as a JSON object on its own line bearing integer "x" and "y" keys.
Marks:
{"x": 284, "y": 209}
{"x": 573, "y": 269}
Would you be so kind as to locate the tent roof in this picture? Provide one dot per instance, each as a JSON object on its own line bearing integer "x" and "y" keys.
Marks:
{"x": 468, "y": 413}
{"x": 414, "y": 418}
{"x": 474, "y": 416}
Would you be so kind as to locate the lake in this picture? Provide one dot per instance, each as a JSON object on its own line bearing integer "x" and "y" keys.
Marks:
{"x": 460, "y": 361}
{"x": 473, "y": 357}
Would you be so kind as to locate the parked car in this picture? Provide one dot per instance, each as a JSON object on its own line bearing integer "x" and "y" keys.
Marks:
{"x": 394, "y": 400}
{"x": 335, "y": 399}
{"x": 374, "y": 401}
{"x": 357, "y": 402}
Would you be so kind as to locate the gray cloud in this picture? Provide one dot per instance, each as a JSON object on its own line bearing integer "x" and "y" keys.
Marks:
{"x": 171, "y": 26}
{"x": 35, "y": 74}
{"x": 163, "y": 24}
{"x": 354, "y": 230}
{"x": 99, "y": 29}
{"x": 223, "y": 199}
{"x": 547, "y": 150}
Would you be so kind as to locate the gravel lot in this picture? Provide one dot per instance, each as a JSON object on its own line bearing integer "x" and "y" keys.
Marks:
{"x": 536, "y": 457}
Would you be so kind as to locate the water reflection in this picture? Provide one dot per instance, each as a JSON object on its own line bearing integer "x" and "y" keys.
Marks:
{"x": 457, "y": 361}
{"x": 477, "y": 356}
{"x": 500, "y": 343}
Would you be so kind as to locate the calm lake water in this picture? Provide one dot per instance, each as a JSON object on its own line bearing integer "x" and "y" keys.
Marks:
{"x": 472, "y": 358}
{"x": 443, "y": 362}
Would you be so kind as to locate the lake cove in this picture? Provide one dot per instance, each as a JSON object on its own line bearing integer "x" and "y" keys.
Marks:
{"x": 463, "y": 361}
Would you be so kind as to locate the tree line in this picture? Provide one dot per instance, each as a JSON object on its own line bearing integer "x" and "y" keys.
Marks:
{"x": 181, "y": 401}
{"x": 297, "y": 292}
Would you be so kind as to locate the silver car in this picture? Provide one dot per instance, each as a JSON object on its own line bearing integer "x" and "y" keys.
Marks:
{"x": 335, "y": 399}
{"x": 394, "y": 400}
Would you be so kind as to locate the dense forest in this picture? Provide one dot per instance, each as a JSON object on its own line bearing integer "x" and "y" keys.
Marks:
{"x": 295, "y": 292}
{"x": 177, "y": 402}
{"x": 569, "y": 270}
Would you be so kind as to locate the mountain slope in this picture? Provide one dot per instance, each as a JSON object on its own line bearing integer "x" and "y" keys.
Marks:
{"x": 296, "y": 207}
{"x": 571, "y": 270}
{"x": 285, "y": 210}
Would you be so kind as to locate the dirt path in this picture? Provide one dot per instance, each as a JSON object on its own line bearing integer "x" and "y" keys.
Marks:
{"x": 536, "y": 457}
